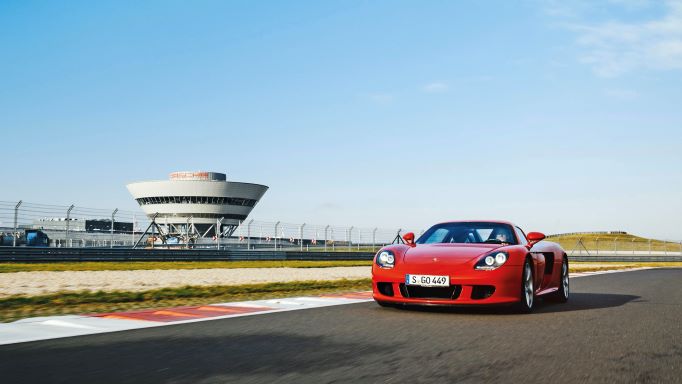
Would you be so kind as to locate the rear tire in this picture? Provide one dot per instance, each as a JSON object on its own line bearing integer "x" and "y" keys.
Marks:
{"x": 527, "y": 298}
{"x": 561, "y": 296}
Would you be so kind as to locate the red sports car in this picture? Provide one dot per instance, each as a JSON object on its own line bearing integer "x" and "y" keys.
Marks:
{"x": 471, "y": 263}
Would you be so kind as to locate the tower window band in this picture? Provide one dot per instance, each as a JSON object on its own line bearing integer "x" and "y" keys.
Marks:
{"x": 216, "y": 200}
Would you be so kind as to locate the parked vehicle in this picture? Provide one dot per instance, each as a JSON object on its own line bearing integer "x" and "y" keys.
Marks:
{"x": 29, "y": 238}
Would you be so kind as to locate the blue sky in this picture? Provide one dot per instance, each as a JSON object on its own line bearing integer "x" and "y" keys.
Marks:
{"x": 560, "y": 117}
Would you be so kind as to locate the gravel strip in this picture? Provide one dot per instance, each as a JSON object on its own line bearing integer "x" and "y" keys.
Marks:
{"x": 38, "y": 283}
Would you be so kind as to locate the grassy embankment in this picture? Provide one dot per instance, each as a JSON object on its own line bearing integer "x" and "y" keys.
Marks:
{"x": 611, "y": 242}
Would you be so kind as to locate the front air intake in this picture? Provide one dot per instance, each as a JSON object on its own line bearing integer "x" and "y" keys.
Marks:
{"x": 479, "y": 292}
{"x": 385, "y": 289}
{"x": 435, "y": 293}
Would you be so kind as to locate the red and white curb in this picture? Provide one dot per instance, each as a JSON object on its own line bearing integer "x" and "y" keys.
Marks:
{"x": 53, "y": 327}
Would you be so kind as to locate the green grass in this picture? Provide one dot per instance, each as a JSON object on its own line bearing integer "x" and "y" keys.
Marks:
{"x": 609, "y": 242}
{"x": 62, "y": 303}
{"x": 140, "y": 265}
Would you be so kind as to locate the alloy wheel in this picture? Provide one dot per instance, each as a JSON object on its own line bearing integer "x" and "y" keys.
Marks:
{"x": 528, "y": 286}
{"x": 564, "y": 278}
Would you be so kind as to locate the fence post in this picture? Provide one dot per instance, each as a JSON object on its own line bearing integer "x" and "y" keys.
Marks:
{"x": 132, "y": 233}
{"x": 276, "y": 227}
{"x": 325, "y": 237}
{"x": 374, "y": 238}
{"x": 68, "y": 219}
{"x": 113, "y": 214}
{"x": 218, "y": 231}
{"x": 649, "y": 247}
{"x": 615, "y": 246}
{"x": 248, "y": 234}
{"x": 300, "y": 235}
{"x": 16, "y": 216}
{"x": 633, "y": 246}
{"x": 597, "y": 242}
{"x": 350, "y": 239}
{"x": 359, "y": 239}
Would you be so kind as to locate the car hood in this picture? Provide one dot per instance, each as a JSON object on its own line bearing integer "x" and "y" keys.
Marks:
{"x": 451, "y": 254}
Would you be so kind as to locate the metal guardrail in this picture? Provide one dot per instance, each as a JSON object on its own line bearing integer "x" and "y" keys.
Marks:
{"x": 26, "y": 254}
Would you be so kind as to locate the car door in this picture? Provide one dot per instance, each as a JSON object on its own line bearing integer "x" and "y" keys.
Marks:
{"x": 539, "y": 261}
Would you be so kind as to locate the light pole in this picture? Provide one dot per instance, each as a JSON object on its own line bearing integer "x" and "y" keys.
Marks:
{"x": 16, "y": 216}
{"x": 276, "y": 228}
{"x": 113, "y": 214}
{"x": 68, "y": 221}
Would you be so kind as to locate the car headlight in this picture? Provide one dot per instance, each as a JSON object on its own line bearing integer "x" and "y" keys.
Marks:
{"x": 385, "y": 259}
{"x": 491, "y": 261}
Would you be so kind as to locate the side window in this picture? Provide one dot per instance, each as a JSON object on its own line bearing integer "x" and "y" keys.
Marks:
{"x": 521, "y": 236}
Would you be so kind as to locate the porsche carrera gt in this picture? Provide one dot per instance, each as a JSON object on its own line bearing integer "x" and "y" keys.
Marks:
{"x": 471, "y": 263}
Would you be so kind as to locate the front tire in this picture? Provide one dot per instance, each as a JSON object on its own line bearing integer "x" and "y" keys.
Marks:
{"x": 385, "y": 304}
{"x": 527, "y": 301}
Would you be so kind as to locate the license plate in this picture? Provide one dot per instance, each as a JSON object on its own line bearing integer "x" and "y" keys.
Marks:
{"x": 427, "y": 280}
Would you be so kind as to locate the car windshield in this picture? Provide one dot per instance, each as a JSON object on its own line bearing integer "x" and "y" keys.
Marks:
{"x": 473, "y": 232}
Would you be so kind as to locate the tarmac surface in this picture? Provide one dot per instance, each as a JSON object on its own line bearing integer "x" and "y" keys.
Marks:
{"x": 619, "y": 327}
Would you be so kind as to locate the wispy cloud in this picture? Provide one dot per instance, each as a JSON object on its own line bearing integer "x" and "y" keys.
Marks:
{"x": 621, "y": 94}
{"x": 613, "y": 48}
{"x": 435, "y": 87}
{"x": 382, "y": 98}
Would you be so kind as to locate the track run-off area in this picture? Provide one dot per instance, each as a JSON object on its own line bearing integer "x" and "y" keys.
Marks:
{"x": 616, "y": 327}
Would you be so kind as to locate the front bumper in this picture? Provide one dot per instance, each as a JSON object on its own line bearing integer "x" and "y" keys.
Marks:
{"x": 467, "y": 287}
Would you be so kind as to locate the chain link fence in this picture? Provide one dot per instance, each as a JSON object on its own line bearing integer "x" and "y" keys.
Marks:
{"x": 75, "y": 226}
{"x": 81, "y": 227}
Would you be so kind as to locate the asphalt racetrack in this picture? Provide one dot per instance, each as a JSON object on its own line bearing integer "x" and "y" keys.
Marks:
{"x": 619, "y": 327}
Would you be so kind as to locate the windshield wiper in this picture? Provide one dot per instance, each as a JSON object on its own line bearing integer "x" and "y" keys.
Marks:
{"x": 493, "y": 241}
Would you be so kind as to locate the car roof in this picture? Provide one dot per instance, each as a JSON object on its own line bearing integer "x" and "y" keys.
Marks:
{"x": 479, "y": 221}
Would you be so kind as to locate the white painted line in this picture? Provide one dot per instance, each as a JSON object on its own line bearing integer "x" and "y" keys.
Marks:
{"x": 592, "y": 273}
{"x": 284, "y": 302}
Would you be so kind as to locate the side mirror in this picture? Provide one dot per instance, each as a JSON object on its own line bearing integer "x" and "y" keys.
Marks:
{"x": 409, "y": 239}
{"x": 534, "y": 237}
